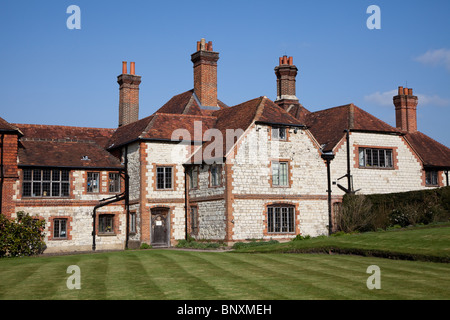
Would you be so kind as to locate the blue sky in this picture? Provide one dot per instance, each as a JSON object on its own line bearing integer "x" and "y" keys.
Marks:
{"x": 53, "y": 75}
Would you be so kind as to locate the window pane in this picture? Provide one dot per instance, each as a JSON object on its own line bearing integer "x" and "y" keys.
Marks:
{"x": 361, "y": 157}
{"x": 56, "y": 175}
{"x": 382, "y": 154}
{"x": 26, "y": 192}
{"x": 64, "y": 175}
{"x": 114, "y": 182}
{"x": 37, "y": 175}
{"x": 65, "y": 189}
{"x": 368, "y": 157}
{"x": 46, "y": 174}
{"x": 291, "y": 219}
{"x": 283, "y": 174}
{"x": 27, "y": 175}
{"x": 282, "y": 133}
{"x": 275, "y": 174}
{"x": 92, "y": 182}
{"x": 389, "y": 162}
{"x": 275, "y": 133}
{"x": 160, "y": 178}
{"x": 270, "y": 219}
{"x": 168, "y": 178}
{"x": 36, "y": 189}
{"x": 277, "y": 220}
{"x": 46, "y": 189}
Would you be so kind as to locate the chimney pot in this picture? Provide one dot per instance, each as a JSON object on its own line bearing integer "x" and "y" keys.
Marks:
{"x": 290, "y": 62}
{"x": 124, "y": 67}
{"x": 410, "y": 92}
{"x": 132, "y": 68}
{"x": 400, "y": 90}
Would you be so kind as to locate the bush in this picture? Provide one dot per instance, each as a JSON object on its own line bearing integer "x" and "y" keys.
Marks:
{"x": 356, "y": 214}
{"x": 22, "y": 237}
{"x": 383, "y": 211}
{"x": 240, "y": 245}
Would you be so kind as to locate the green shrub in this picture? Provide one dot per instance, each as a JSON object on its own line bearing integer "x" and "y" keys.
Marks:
{"x": 300, "y": 237}
{"x": 145, "y": 246}
{"x": 23, "y": 236}
{"x": 254, "y": 243}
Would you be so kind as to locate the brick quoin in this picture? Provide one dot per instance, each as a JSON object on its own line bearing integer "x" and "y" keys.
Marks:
{"x": 10, "y": 173}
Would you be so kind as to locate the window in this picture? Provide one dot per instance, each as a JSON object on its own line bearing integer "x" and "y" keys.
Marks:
{"x": 216, "y": 175}
{"x": 163, "y": 178}
{"x": 93, "y": 182}
{"x": 280, "y": 219}
{"x": 194, "y": 220}
{"x": 375, "y": 158}
{"x": 114, "y": 182}
{"x": 45, "y": 183}
{"x": 279, "y": 133}
{"x": 431, "y": 178}
{"x": 106, "y": 223}
{"x": 193, "y": 178}
{"x": 59, "y": 228}
{"x": 280, "y": 173}
{"x": 132, "y": 222}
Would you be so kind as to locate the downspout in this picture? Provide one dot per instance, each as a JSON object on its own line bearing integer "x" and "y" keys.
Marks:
{"x": 328, "y": 156}
{"x": 127, "y": 197}
{"x": 446, "y": 176}
{"x": 349, "y": 183}
{"x": 94, "y": 214}
{"x": 186, "y": 194}
{"x": 123, "y": 196}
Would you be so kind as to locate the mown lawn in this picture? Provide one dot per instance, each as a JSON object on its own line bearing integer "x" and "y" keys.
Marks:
{"x": 193, "y": 275}
{"x": 426, "y": 243}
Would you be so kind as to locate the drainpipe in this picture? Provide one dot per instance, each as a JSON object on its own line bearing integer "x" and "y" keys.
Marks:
{"x": 446, "y": 176}
{"x": 328, "y": 156}
{"x": 349, "y": 184}
{"x": 123, "y": 196}
{"x": 186, "y": 194}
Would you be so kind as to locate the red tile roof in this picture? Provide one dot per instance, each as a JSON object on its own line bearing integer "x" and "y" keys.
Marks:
{"x": 5, "y": 126}
{"x": 64, "y": 146}
{"x": 186, "y": 103}
{"x": 328, "y": 125}
{"x": 432, "y": 153}
{"x": 241, "y": 116}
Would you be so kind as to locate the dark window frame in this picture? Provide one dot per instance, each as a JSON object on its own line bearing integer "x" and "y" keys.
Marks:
{"x": 46, "y": 183}
{"x": 162, "y": 177}
{"x": 281, "y": 219}
{"x": 376, "y": 158}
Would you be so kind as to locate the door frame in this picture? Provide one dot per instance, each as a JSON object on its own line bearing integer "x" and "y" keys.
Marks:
{"x": 164, "y": 212}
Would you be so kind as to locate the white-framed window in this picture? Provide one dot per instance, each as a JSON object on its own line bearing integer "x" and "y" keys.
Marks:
{"x": 93, "y": 182}
{"x": 45, "y": 183}
{"x": 114, "y": 182}
{"x": 193, "y": 177}
{"x": 164, "y": 178}
{"x": 279, "y": 133}
{"x": 132, "y": 222}
{"x": 216, "y": 175}
{"x": 59, "y": 228}
{"x": 375, "y": 158}
{"x": 106, "y": 224}
{"x": 280, "y": 219}
{"x": 280, "y": 173}
{"x": 194, "y": 220}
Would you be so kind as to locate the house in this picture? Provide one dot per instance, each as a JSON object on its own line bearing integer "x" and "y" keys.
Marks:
{"x": 258, "y": 170}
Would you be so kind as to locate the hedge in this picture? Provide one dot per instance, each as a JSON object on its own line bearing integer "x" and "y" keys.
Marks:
{"x": 380, "y": 211}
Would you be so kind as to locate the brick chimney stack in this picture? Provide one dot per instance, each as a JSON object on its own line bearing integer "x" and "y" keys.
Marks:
{"x": 205, "y": 73}
{"x": 128, "y": 95}
{"x": 405, "y": 110}
{"x": 286, "y": 72}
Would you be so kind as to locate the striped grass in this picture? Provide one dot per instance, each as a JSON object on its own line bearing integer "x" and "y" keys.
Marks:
{"x": 193, "y": 275}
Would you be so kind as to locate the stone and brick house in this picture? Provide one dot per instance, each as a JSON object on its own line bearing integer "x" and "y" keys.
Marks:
{"x": 257, "y": 170}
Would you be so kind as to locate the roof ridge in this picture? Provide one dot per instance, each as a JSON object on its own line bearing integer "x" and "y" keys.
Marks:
{"x": 57, "y": 125}
{"x": 184, "y": 115}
